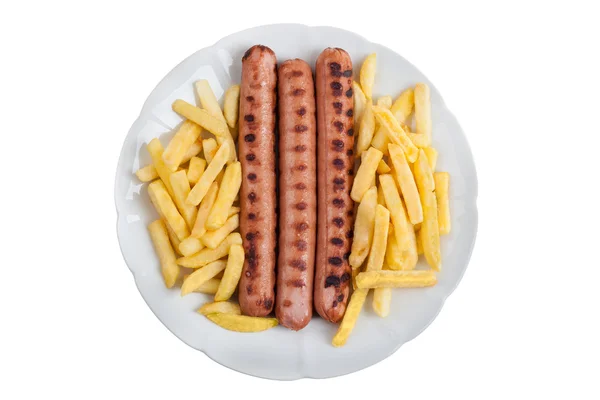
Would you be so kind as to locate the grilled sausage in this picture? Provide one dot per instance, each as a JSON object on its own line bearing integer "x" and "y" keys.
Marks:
{"x": 258, "y": 100}
{"x": 297, "y": 194}
{"x": 335, "y": 175}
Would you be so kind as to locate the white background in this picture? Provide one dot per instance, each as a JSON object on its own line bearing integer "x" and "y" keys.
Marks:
{"x": 521, "y": 77}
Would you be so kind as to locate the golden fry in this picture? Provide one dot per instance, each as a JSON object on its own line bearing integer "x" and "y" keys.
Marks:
{"x": 383, "y": 168}
{"x": 210, "y": 148}
{"x": 432, "y": 156}
{"x": 393, "y": 255}
{"x": 423, "y": 109}
{"x": 419, "y": 242}
{"x": 380, "y": 235}
{"x": 190, "y": 246}
{"x": 363, "y": 228}
{"x": 380, "y": 140}
{"x": 406, "y": 182}
{"x": 147, "y": 173}
{"x": 185, "y": 136}
{"x": 181, "y": 189}
{"x": 228, "y": 190}
{"x": 403, "y": 105}
{"x": 231, "y": 105}
{"x": 192, "y": 151}
{"x": 156, "y": 151}
{"x": 206, "y": 256}
{"x": 224, "y": 307}
{"x": 166, "y": 208}
{"x": 200, "y": 276}
{"x": 212, "y": 239}
{"x": 403, "y": 229}
{"x": 233, "y": 211}
{"x": 205, "y": 206}
{"x": 352, "y": 312}
{"x": 395, "y": 279}
{"x": 242, "y": 323}
{"x": 209, "y": 287}
{"x": 209, "y": 175}
{"x": 233, "y": 272}
{"x": 430, "y": 234}
{"x": 395, "y": 132}
{"x": 442, "y": 181}
{"x": 366, "y": 129}
{"x": 367, "y": 74}
{"x": 385, "y": 102}
{"x": 380, "y": 196}
{"x": 166, "y": 255}
{"x": 175, "y": 242}
{"x": 196, "y": 169}
{"x": 360, "y": 103}
{"x": 365, "y": 174}
{"x": 382, "y": 299}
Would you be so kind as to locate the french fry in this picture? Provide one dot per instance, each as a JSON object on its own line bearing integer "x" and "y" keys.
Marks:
{"x": 185, "y": 136}
{"x": 403, "y": 229}
{"x": 147, "y": 173}
{"x": 201, "y": 117}
{"x": 196, "y": 169}
{"x": 156, "y": 151}
{"x": 175, "y": 242}
{"x": 395, "y": 133}
{"x": 224, "y": 307}
{"x": 205, "y": 206}
{"x": 430, "y": 234}
{"x": 242, "y": 323}
{"x": 360, "y": 103}
{"x": 419, "y": 243}
{"x": 214, "y": 167}
{"x": 365, "y": 174}
{"x": 423, "y": 109}
{"x": 209, "y": 102}
{"x": 192, "y": 151}
{"x": 442, "y": 181}
{"x": 166, "y": 255}
{"x": 366, "y": 129}
{"x": 363, "y": 228}
{"x": 383, "y": 168}
{"x": 200, "y": 276}
{"x": 432, "y": 156}
{"x": 380, "y": 196}
{"x": 385, "y": 102}
{"x": 406, "y": 182}
{"x": 423, "y": 174}
{"x": 232, "y": 274}
{"x": 352, "y": 312}
{"x": 231, "y": 105}
{"x": 403, "y": 105}
{"x": 382, "y": 299}
{"x": 419, "y": 140}
{"x": 206, "y": 256}
{"x": 380, "y": 235}
{"x": 181, "y": 189}
{"x": 212, "y": 239}
{"x": 380, "y": 140}
{"x": 367, "y": 74}
{"x": 209, "y": 287}
{"x": 166, "y": 208}
{"x": 229, "y": 188}
{"x": 395, "y": 279}
{"x": 355, "y": 272}
{"x": 210, "y": 148}
{"x": 190, "y": 246}
{"x": 393, "y": 255}
{"x": 233, "y": 211}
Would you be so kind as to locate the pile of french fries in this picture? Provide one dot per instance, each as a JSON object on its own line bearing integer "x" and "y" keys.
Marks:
{"x": 402, "y": 201}
{"x": 194, "y": 186}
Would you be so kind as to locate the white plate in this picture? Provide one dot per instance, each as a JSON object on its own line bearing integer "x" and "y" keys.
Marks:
{"x": 280, "y": 353}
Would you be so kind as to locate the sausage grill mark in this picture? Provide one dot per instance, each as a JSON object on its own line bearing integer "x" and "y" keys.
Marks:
{"x": 252, "y": 177}
{"x": 252, "y": 197}
{"x": 300, "y": 148}
{"x": 349, "y": 113}
{"x": 250, "y": 98}
{"x": 301, "y": 167}
{"x": 349, "y": 92}
{"x": 350, "y": 234}
{"x": 301, "y": 245}
{"x": 335, "y": 261}
{"x": 296, "y": 283}
{"x": 338, "y": 145}
{"x": 251, "y": 216}
{"x": 301, "y": 206}
{"x": 298, "y": 264}
{"x": 350, "y": 132}
{"x": 339, "y": 126}
{"x": 300, "y": 186}
{"x": 249, "y": 118}
{"x": 250, "y": 157}
{"x": 332, "y": 280}
{"x": 339, "y": 203}
{"x": 349, "y": 152}
{"x": 298, "y": 92}
{"x": 250, "y": 138}
{"x": 338, "y": 163}
{"x": 336, "y": 241}
{"x": 301, "y": 226}
{"x": 301, "y": 111}
{"x": 300, "y": 128}
{"x": 297, "y": 73}
{"x": 339, "y": 222}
